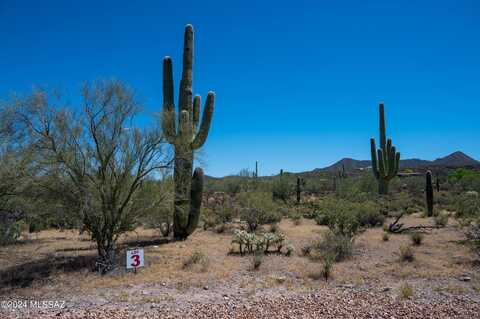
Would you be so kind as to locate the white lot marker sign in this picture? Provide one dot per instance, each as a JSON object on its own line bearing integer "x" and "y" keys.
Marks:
{"x": 135, "y": 258}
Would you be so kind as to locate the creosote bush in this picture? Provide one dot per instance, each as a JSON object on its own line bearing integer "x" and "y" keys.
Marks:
{"x": 258, "y": 208}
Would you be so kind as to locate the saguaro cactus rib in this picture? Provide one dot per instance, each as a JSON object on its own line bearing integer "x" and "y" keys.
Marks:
{"x": 186, "y": 137}
{"x": 385, "y": 160}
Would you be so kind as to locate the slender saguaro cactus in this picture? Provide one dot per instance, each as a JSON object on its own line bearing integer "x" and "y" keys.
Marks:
{"x": 429, "y": 193}
{"x": 385, "y": 160}
{"x": 256, "y": 168}
{"x": 189, "y": 135}
{"x": 300, "y": 184}
{"x": 438, "y": 182}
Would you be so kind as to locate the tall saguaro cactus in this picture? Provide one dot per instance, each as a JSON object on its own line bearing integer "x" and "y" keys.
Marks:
{"x": 185, "y": 137}
{"x": 385, "y": 160}
{"x": 429, "y": 193}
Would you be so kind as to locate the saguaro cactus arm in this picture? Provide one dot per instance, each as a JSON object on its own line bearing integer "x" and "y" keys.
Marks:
{"x": 202, "y": 133}
{"x": 168, "y": 114}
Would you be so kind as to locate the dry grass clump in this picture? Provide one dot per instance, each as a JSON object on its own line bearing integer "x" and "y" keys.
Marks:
{"x": 197, "y": 258}
{"x": 406, "y": 253}
{"x": 386, "y": 236}
{"x": 406, "y": 291}
{"x": 416, "y": 238}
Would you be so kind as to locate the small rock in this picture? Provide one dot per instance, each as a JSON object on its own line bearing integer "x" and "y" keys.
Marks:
{"x": 385, "y": 289}
{"x": 465, "y": 278}
{"x": 348, "y": 286}
{"x": 205, "y": 288}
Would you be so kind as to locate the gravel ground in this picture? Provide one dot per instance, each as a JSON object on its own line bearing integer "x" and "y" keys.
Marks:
{"x": 322, "y": 304}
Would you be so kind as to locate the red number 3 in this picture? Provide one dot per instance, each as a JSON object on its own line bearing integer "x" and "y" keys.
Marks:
{"x": 136, "y": 260}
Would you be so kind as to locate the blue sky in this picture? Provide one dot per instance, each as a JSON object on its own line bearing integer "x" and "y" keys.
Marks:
{"x": 297, "y": 82}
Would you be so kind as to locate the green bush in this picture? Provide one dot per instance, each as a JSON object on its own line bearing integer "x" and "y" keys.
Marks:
{"x": 258, "y": 208}
{"x": 9, "y": 232}
{"x": 369, "y": 214}
{"x": 468, "y": 205}
{"x": 343, "y": 221}
{"x": 338, "y": 245}
{"x": 281, "y": 188}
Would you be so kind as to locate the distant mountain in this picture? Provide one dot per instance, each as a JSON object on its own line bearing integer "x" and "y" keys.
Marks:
{"x": 456, "y": 159}
{"x": 350, "y": 164}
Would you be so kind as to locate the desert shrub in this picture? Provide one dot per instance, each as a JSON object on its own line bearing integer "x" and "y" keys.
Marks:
{"x": 281, "y": 189}
{"x": 369, "y": 214}
{"x": 321, "y": 219}
{"x": 197, "y": 258}
{"x": 290, "y": 249}
{"x": 441, "y": 219}
{"x": 416, "y": 238}
{"x": 343, "y": 222}
{"x": 9, "y": 232}
{"x": 339, "y": 215}
{"x": 398, "y": 202}
{"x": 233, "y": 186}
{"x": 307, "y": 249}
{"x": 274, "y": 228}
{"x": 468, "y": 205}
{"x": 406, "y": 253}
{"x": 258, "y": 208}
{"x": 473, "y": 236}
{"x": 445, "y": 200}
{"x": 208, "y": 218}
{"x": 325, "y": 270}
{"x": 335, "y": 244}
{"x": 385, "y": 236}
{"x": 346, "y": 217}
{"x": 414, "y": 185}
{"x": 406, "y": 291}
{"x": 257, "y": 259}
{"x": 296, "y": 218}
{"x": 327, "y": 264}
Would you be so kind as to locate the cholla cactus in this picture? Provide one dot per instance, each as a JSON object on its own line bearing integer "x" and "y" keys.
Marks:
{"x": 290, "y": 249}
{"x": 268, "y": 239}
{"x": 186, "y": 137}
{"x": 250, "y": 242}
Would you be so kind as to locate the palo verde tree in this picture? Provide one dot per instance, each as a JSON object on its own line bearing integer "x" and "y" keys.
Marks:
{"x": 99, "y": 153}
{"x": 186, "y": 137}
{"x": 385, "y": 160}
